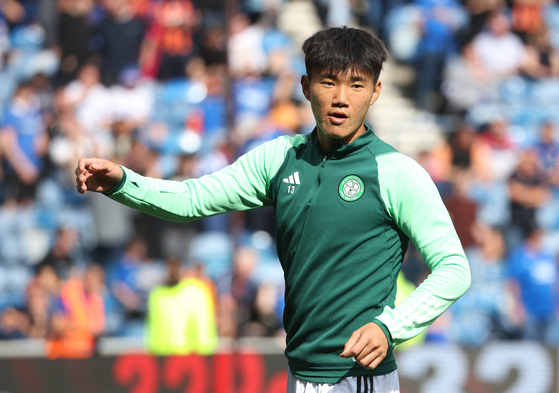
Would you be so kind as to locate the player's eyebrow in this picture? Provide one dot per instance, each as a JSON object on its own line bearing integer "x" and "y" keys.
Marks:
{"x": 354, "y": 78}
{"x": 358, "y": 78}
{"x": 327, "y": 75}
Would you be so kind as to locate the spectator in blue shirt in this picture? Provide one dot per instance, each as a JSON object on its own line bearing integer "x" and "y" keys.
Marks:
{"x": 441, "y": 20}
{"x": 533, "y": 276}
{"x": 547, "y": 147}
{"x": 23, "y": 144}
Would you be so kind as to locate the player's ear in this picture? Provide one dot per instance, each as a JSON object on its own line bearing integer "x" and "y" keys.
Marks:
{"x": 306, "y": 86}
{"x": 376, "y": 92}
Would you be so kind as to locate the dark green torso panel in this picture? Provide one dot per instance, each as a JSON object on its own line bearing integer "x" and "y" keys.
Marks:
{"x": 340, "y": 251}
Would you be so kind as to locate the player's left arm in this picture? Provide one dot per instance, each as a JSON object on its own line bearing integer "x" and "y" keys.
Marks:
{"x": 412, "y": 200}
{"x": 414, "y": 203}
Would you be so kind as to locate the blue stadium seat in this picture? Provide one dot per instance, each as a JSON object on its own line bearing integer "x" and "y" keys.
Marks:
{"x": 515, "y": 90}
{"x": 213, "y": 250}
{"x": 545, "y": 92}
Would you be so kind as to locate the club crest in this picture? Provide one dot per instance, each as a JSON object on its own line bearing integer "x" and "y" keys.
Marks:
{"x": 351, "y": 188}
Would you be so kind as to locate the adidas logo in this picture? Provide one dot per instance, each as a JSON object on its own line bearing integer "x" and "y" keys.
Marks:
{"x": 293, "y": 179}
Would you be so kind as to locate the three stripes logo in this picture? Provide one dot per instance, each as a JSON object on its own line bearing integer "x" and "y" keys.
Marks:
{"x": 292, "y": 180}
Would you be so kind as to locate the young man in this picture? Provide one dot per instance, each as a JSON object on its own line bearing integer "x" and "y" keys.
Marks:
{"x": 346, "y": 205}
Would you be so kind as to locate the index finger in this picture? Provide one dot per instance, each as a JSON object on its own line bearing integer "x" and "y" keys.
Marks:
{"x": 96, "y": 164}
{"x": 82, "y": 163}
{"x": 348, "y": 352}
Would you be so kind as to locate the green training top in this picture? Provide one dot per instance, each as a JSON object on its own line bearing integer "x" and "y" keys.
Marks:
{"x": 343, "y": 223}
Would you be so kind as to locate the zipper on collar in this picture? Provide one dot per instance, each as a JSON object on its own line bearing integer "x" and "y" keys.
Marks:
{"x": 323, "y": 161}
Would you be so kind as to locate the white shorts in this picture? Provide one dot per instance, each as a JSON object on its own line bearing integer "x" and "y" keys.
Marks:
{"x": 388, "y": 383}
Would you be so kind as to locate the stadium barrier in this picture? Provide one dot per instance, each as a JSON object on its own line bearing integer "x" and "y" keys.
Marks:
{"x": 260, "y": 367}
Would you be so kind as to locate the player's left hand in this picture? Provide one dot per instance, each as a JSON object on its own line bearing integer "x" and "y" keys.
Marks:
{"x": 367, "y": 345}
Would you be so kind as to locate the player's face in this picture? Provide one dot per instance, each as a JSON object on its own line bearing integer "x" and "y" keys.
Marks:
{"x": 339, "y": 103}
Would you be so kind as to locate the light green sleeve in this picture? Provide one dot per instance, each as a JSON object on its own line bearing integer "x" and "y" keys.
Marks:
{"x": 413, "y": 201}
{"x": 242, "y": 185}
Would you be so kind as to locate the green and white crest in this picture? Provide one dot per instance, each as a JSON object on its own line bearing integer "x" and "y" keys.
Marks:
{"x": 351, "y": 188}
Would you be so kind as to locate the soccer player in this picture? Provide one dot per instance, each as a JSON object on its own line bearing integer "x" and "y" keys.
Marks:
{"x": 346, "y": 206}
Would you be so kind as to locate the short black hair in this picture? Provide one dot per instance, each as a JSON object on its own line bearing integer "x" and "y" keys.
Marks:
{"x": 342, "y": 49}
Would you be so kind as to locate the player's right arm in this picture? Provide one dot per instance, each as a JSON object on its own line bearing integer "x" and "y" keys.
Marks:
{"x": 242, "y": 185}
{"x": 96, "y": 174}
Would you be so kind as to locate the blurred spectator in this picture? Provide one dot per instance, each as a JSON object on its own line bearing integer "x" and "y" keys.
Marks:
{"x": 92, "y": 105}
{"x": 528, "y": 190}
{"x": 42, "y": 87}
{"x": 120, "y": 37}
{"x": 436, "y": 164}
{"x": 497, "y": 51}
{"x": 479, "y": 12}
{"x": 214, "y": 106}
{"x": 60, "y": 256}
{"x": 499, "y": 153}
{"x": 264, "y": 320}
{"x": 23, "y": 145}
{"x": 374, "y": 14}
{"x": 466, "y": 83}
{"x": 213, "y": 42}
{"x": 135, "y": 275}
{"x": 132, "y": 100}
{"x": 68, "y": 141}
{"x": 181, "y": 317}
{"x": 460, "y": 158}
{"x": 11, "y": 12}
{"x": 439, "y": 24}
{"x": 527, "y": 16}
{"x": 547, "y": 148}
{"x": 533, "y": 281}
{"x": 74, "y": 33}
{"x": 169, "y": 40}
{"x": 465, "y": 153}
{"x": 245, "y": 47}
{"x": 79, "y": 317}
{"x": 14, "y": 324}
{"x": 42, "y": 292}
{"x": 125, "y": 287}
{"x": 139, "y": 154}
{"x": 483, "y": 313}
{"x": 463, "y": 212}
{"x": 334, "y": 12}
{"x": 237, "y": 293}
{"x": 253, "y": 97}
{"x": 541, "y": 59}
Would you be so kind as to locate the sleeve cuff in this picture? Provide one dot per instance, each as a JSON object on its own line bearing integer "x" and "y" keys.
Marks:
{"x": 385, "y": 330}
{"x": 118, "y": 186}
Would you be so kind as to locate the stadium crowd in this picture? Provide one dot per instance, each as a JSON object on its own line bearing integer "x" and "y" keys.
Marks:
{"x": 177, "y": 89}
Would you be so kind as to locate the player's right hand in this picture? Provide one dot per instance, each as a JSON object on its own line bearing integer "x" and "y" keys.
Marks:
{"x": 97, "y": 174}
